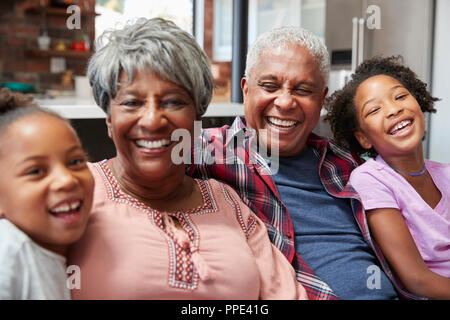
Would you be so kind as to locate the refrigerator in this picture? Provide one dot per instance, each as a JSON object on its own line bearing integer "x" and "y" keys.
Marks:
{"x": 360, "y": 29}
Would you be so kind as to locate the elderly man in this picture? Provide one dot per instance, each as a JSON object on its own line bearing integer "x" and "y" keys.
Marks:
{"x": 310, "y": 215}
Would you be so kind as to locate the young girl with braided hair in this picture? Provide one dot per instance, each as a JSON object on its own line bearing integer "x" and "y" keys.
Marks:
{"x": 380, "y": 114}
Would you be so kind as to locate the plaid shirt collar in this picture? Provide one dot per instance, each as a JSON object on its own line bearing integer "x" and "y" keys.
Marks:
{"x": 239, "y": 127}
{"x": 335, "y": 166}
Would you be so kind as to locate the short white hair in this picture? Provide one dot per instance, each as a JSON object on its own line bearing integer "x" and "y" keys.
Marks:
{"x": 288, "y": 35}
{"x": 157, "y": 44}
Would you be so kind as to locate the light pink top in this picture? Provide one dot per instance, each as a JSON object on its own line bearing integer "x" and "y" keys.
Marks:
{"x": 379, "y": 186}
{"x": 128, "y": 253}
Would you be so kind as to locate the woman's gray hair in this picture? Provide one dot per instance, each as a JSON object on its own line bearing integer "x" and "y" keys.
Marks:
{"x": 157, "y": 44}
{"x": 283, "y": 36}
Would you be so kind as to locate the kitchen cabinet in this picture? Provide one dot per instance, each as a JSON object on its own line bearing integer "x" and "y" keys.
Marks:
{"x": 89, "y": 121}
{"x": 57, "y": 11}
{"x": 61, "y": 13}
{"x": 59, "y": 53}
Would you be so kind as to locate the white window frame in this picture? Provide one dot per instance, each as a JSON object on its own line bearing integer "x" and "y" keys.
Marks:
{"x": 223, "y": 53}
{"x": 295, "y": 17}
{"x": 199, "y": 21}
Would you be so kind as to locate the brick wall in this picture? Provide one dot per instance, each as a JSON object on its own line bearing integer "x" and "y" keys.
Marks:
{"x": 208, "y": 31}
{"x": 18, "y": 33}
{"x": 221, "y": 70}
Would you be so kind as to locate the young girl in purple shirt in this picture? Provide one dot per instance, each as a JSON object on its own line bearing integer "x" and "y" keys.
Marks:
{"x": 380, "y": 113}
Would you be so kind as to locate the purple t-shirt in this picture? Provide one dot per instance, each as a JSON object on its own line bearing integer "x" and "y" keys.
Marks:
{"x": 379, "y": 186}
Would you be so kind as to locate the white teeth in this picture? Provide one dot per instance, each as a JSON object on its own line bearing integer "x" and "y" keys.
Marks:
{"x": 400, "y": 126}
{"x": 153, "y": 144}
{"x": 284, "y": 123}
{"x": 66, "y": 207}
{"x": 61, "y": 209}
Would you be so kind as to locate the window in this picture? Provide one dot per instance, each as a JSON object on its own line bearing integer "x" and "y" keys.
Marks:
{"x": 223, "y": 23}
{"x": 313, "y": 17}
{"x": 264, "y": 15}
{"x": 116, "y": 13}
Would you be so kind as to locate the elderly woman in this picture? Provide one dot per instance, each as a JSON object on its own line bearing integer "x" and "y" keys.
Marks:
{"x": 154, "y": 232}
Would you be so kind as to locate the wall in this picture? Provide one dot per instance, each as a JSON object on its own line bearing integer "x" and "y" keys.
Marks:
{"x": 439, "y": 122}
{"x": 18, "y": 33}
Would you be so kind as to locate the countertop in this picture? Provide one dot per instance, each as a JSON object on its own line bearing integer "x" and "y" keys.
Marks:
{"x": 75, "y": 108}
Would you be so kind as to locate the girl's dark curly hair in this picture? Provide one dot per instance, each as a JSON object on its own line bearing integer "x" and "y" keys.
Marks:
{"x": 341, "y": 106}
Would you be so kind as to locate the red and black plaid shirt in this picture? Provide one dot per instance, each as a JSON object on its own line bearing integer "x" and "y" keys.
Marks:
{"x": 253, "y": 181}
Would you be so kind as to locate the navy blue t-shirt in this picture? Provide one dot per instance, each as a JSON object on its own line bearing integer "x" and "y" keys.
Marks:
{"x": 326, "y": 234}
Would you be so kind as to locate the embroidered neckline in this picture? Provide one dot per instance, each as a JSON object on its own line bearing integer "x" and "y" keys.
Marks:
{"x": 115, "y": 193}
{"x": 183, "y": 274}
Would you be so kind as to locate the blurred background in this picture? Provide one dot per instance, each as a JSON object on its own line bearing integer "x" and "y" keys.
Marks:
{"x": 45, "y": 46}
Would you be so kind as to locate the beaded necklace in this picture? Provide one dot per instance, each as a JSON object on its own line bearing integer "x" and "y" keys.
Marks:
{"x": 413, "y": 174}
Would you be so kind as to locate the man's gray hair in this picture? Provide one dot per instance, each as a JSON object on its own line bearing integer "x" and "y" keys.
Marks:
{"x": 283, "y": 36}
{"x": 157, "y": 44}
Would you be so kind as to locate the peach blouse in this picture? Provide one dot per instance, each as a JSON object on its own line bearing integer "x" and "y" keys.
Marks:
{"x": 130, "y": 251}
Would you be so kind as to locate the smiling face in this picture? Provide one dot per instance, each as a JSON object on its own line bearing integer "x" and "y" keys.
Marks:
{"x": 284, "y": 94}
{"x": 45, "y": 183}
{"x": 389, "y": 117}
{"x": 142, "y": 117}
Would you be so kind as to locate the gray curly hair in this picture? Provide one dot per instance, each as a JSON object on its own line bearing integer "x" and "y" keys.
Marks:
{"x": 283, "y": 36}
{"x": 157, "y": 44}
